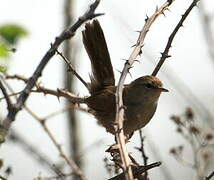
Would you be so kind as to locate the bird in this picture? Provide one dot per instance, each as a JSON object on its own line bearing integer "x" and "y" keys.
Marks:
{"x": 140, "y": 97}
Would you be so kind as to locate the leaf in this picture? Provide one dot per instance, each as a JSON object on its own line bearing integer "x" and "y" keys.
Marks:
{"x": 4, "y": 53}
{"x": 3, "y": 69}
{"x": 11, "y": 33}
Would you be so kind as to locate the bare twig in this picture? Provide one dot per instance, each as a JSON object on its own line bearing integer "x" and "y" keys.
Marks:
{"x": 42, "y": 121}
{"x": 207, "y": 28}
{"x": 145, "y": 158}
{"x": 58, "y": 93}
{"x": 10, "y": 106}
{"x": 119, "y": 101}
{"x": 41, "y": 158}
{"x": 65, "y": 35}
{"x": 2, "y": 178}
{"x": 10, "y": 95}
{"x": 165, "y": 53}
{"x": 68, "y": 62}
{"x": 210, "y": 176}
{"x": 54, "y": 177}
{"x": 137, "y": 171}
{"x": 69, "y": 161}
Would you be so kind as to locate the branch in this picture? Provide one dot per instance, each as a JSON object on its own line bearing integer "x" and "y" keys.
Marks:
{"x": 142, "y": 150}
{"x": 165, "y": 54}
{"x": 72, "y": 69}
{"x": 119, "y": 101}
{"x": 10, "y": 106}
{"x": 137, "y": 171}
{"x": 65, "y": 35}
{"x": 58, "y": 93}
{"x": 76, "y": 170}
{"x": 207, "y": 28}
{"x": 41, "y": 158}
{"x": 210, "y": 176}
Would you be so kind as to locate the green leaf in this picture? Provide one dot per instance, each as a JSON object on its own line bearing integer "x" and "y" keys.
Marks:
{"x": 11, "y": 33}
{"x": 4, "y": 52}
{"x": 3, "y": 69}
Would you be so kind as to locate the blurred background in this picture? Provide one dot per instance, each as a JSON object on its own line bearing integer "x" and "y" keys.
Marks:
{"x": 188, "y": 74}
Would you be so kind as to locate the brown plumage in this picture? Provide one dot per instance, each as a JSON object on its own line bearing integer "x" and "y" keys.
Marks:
{"x": 140, "y": 96}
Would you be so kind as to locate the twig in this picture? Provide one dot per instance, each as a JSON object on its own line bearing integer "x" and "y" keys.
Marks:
{"x": 119, "y": 101}
{"x": 10, "y": 95}
{"x": 41, "y": 158}
{"x": 210, "y": 176}
{"x": 2, "y": 178}
{"x": 72, "y": 69}
{"x": 165, "y": 54}
{"x": 70, "y": 162}
{"x": 207, "y": 28}
{"x": 65, "y": 35}
{"x": 58, "y": 93}
{"x": 137, "y": 171}
{"x": 145, "y": 158}
{"x": 54, "y": 177}
{"x": 10, "y": 106}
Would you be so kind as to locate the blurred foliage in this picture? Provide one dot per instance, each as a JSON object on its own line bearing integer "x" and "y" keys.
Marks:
{"x": 4, "y": 53}
{"x": 11, "y": 33}
{"x": 9, "y": 36}
{"x": 200, "y": 139}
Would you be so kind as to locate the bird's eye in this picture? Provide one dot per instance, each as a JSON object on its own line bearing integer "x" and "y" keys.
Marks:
{"x": 148, "y": 85}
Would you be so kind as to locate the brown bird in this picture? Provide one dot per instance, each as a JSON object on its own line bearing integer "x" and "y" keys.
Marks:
{"x": 140, "y": 97}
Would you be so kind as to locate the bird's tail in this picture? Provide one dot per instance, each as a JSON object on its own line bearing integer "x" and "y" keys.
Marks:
{"x": 96, "y": 47}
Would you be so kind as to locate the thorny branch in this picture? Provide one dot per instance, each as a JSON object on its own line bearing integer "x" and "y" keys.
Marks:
{"x": 142, "y": 150}
{"x": 165, "y": 53}
{"x": 137, "y": 171}
{"x": 210, "y": 176}
{"x": 65, "y": 35}
{"x": 6, "y": 96}
{"x": 119, "y": 101}
{"x": 58, "y": 93}
{"x": 42, "y": 121}
{"x": 69, "y": 161}
{"x": 72, "y": 69}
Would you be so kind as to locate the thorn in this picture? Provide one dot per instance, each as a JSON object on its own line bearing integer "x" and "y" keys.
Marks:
{"x": 130, "y": 67}
{"x": 136, "y": 60}
{"x": 122, "y": 107}
{"x": 165, "y": 55}
{"x": 147, "y": 17}
{"x": 156, "y": 8}
{"x": 130, "y": 74}
{"x": 133, "y": 45}
{"x": 169, "y": 1}
{"x": 119, "y": 71}
{"x": 167, "y": 9}
{"x": 58, "y": 98}
{"x": 140, "y": 52}
{"x": 129, "y": 71}
{"x": 127, "y": 62}
{"x": 138, "y": 31}
{"x": 163, "y": 14}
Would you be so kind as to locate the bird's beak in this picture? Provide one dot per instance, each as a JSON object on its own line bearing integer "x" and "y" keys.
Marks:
{"x": 163, "y": 90}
